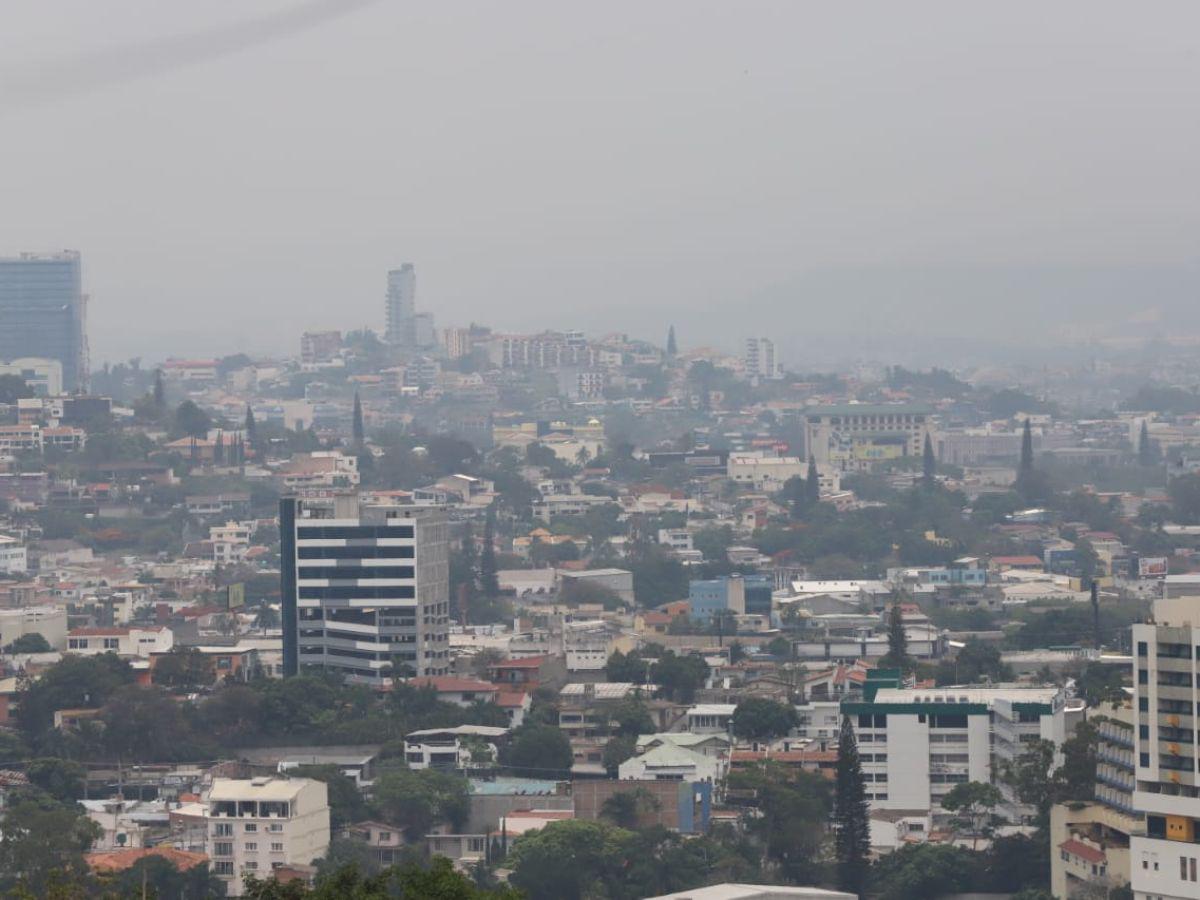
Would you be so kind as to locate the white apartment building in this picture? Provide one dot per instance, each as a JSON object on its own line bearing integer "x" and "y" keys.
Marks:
{"x": 13, "y": 559}
{"x": 230, "y": 542}
{"x": 256, "y": 825}
{"x": 123, "y": 640}
{"x": 916, "y": 744}
{"x": 44, "y": 376}
{"x": 1164, "y": 861}
{"x": 759, "y": 358}
{"x": 677, "y": 539}
{"x": 364, "y": 589}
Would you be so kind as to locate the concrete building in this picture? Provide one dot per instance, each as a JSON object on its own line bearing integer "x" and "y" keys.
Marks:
{"x": 364, "y": 588}
{"x": 916, "y": 744}
{"x": 1166, "y": 664}
{"x": 318, "y": 347}
{"x": 13, "y": 558}
{"x": 256, "y": 825}
{"x": 43, "y": 312}
{"x": 856, "y": 436}
{"x": 401, "y": 308}
{"x": 132, "y": 641}
{"x": 714, "y": 596}
{"x": 48, "y": 621}
{"x": 44, "y": 376}
{"x": 759, "y": 358}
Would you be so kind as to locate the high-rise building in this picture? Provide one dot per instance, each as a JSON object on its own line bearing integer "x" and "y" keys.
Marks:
{"x": 759, "y": 359}
{"x": 365, "y": 589}
{"x": 43, "y": 312}
{"x": 1164, "y": 862}
{"x": 402, "y": 306}
{"x": 857, "y": 436}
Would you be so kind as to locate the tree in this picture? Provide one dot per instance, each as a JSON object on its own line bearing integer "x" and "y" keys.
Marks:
{"x": 760, "y": 719}
{"x": 78, "y": 682}
{"x": 62, "y": 779}
{"x": 13, "y": 388}
{"x": 542, "y": 751}
{"x": 1031, "y": 776}
{"x": 183, "y": 670}
{"x": 852, "y": 827}
{"x": 437, "y": 881}
{"x": 672, "y": 347}
{"x": 627, "y": 808}
{"x": 570, "y": 860}
{"x": 812, "y": 483}
{"x": 489, "y": 581}
{"x": 154, "y": 876}
{"x": 629, "y": 668}
{"x": 191, "y": 421}
{"x": 1146, "y": 450}
{"x": 618, "y": 749}
{"x": 160, "y": 393}
{"x": 358, "y": 431}
{"x": 793, "y": 809}
{"x": 251, "y": 429}
{"x": 416, "y": 800}
{"x": 920, "y": 871}
{"x": 679, "y": 676}
{"x": 897, "y": 656}
{"x": 974, "y": 804}
{"x": 30, "y": 642}
{"x": 43, "y": 838}
{"x": 928, "y": 463}
{"x": 346, "y": 804}
{"x": 144, "y": 724}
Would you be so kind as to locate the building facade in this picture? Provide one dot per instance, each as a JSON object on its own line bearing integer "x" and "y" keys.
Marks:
{"x": 257, "y": 825}
{"x": 759, "y": 358}
{"x": 856, "y": 436}
{"x": 1166, "y": 662}
{"x": 916, "y": 744}
{"x": 365, "y": 589}
{"x": 43, "y": 312}
{"x": 401, "y": 309}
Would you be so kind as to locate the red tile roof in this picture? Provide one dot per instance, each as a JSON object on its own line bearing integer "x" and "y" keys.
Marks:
{"x": 449, "y": 684}
{"x": 1082, "y": 850}
{"x": 529, "y": 662}
{"x": 120, "y": 860}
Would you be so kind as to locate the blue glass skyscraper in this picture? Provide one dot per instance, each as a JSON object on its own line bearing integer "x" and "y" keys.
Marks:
{"x": 43, "y": 312}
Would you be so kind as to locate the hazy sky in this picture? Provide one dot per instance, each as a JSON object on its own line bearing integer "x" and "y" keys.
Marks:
{"x": 238, "y": 171}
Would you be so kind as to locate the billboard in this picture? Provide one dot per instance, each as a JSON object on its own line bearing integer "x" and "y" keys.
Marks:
{"x": 1152, "y": 566}
{"x": 237, "y": 596}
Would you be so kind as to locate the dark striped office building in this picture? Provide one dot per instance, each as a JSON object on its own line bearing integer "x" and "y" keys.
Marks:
{"x": 365, "y": 589}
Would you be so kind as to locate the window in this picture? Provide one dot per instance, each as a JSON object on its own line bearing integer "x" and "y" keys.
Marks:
{"x": 385, "y": 835}
{"x": 223, "y": 867}
{"x": 251, "y": 847}
{"x": 112, "y": 643}
{"x": 1143, "y": 704}
{"x": 250, "y": 865}
{"x": 223, "y": 848}
{"x": 1143, "y": 676}
{"x": 276, "y": 847}
{"x": 275, "y": 826}
{"x": 223, "y": 829}
{"x": 1144, "y": 649}
{"x": 251, "y": 827}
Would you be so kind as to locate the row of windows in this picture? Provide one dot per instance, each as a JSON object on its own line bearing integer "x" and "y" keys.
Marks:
{"x": 332, "y": 573}
{"x": 391, "y": 592}
{"x": 352, "y": 532}
{"x": 405, "y": 552}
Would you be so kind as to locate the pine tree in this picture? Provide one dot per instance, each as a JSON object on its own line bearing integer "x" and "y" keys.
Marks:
{"x": 812, "y": 483}
{"x": 160, "y": 393}
{"x": 1026, "y": 467}
{"x": 851, "y": 822}
{"x": 928, "y": 463}
{"x": 672, "y": 347}
{"x": 489, "y": 583}
{"x": 219, "y": 449}
{"x": 1145, "y": 446}
{"x": 359, "y": 432}
{"x": 897, "y": 655}
{"x": 251, "y": 430}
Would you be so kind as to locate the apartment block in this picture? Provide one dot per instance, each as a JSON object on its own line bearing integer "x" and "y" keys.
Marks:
{"x": 365, "y": 589}
{"x": 257, "y": 825}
